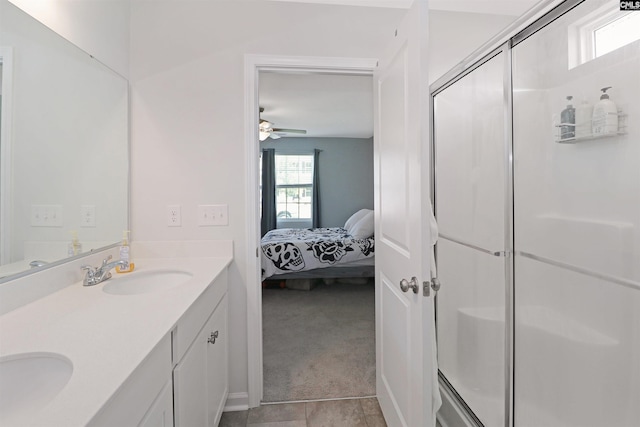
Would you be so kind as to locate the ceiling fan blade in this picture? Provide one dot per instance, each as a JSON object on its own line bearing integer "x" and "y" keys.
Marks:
{"x": 283, "y": 130}
{"x": 267, "y": 130}
{"x": 263, "y": 135}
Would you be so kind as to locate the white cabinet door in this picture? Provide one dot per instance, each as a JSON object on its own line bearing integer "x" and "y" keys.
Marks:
{"x": 189, "y": 383}
{"x": 217, "y": 363}
{"x": 200, "y": 379}
{"x": 161, "y": 412}
{"x": 404, "y": 327}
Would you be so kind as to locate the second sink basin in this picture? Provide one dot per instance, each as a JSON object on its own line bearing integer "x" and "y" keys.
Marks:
{"x": 146, "y": 281}
{"x": 30, "y": 381}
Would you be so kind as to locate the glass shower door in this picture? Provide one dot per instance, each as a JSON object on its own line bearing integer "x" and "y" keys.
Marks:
{"x": 577, "y": 226}
{"x": 470, "y": 154}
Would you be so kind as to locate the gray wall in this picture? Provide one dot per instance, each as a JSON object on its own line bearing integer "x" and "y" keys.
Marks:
{"x": 346, "y": 173}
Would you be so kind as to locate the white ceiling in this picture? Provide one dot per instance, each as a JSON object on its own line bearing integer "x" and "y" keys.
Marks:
{"x": 494, "y": 7}
{"x": 341, "y": 106}
{"x": 324, "y": 105}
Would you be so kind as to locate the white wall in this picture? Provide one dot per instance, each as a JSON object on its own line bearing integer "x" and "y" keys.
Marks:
{"x": 99, "y": 27}
{"x": 345, "y": 170}
{"x": 455, "y": 35}
{"x": 188, "y": 107}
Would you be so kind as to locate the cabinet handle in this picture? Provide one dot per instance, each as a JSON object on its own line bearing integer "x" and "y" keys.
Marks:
{"x": 212, "y": 338}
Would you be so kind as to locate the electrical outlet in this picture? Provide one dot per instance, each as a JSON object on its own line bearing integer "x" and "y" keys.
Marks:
{"x": 174, "y": 218}
{"x": 46, "y": 215}
{"x": 213, "y": 215}
{"x": 87, "y": 216}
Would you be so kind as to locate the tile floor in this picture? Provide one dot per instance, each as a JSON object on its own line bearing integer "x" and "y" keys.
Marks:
{"x": 330, "y": 413}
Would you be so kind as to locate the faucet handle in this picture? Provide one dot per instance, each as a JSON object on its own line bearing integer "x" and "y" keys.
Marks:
{"x": 89, "y": 269}
{"x": 106, "y": 260}
{"x": 89, "y": 278}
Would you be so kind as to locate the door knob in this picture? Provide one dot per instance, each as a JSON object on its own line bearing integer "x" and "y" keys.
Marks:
{"x": 413, "y": 284}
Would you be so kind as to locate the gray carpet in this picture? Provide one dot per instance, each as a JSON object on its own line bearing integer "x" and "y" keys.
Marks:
{"x": 319, "y": 344}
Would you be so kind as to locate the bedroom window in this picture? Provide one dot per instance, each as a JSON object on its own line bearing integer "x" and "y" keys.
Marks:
{"x": 294, "y": 186}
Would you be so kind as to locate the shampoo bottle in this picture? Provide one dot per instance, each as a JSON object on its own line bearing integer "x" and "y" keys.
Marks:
{"x": 568, "y": 120}
{"x": 125, "y": 254}
{"x": 584, "y": 112}
{"x": 74, "y": 247}
{"x": 605, "y": 115}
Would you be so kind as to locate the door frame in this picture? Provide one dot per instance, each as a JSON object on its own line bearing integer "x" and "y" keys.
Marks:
{"x": 253, "y": 64}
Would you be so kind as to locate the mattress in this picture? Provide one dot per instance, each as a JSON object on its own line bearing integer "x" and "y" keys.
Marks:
{"x": 290, "y": 250}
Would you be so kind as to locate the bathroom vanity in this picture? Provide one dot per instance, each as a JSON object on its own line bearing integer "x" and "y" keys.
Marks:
{"x": 143, "y": 348}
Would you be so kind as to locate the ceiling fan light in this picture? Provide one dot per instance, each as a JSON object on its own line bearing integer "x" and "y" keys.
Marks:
{"x": 263, "y": 135}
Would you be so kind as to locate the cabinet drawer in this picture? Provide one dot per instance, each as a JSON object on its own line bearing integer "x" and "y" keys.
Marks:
{"x": 193, "y": 320}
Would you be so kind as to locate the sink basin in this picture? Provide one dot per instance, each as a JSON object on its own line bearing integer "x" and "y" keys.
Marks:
{"x": 146, "y": 281}
{"x": 30, "y": 381}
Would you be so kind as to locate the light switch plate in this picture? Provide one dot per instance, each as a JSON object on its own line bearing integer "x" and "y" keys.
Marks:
{"x": 209, "y": 215}
{"x": 174, "y": 219}
{"x": 46, "y": 215}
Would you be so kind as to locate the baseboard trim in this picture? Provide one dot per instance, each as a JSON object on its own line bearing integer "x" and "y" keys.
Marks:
{"x": 237, "y": 402}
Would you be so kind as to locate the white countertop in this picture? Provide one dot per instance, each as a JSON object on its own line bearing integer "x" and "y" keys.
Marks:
{"x": 105, "y": 336}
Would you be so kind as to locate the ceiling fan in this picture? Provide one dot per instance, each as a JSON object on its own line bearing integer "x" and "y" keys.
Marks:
{"x": 266, "y": 129}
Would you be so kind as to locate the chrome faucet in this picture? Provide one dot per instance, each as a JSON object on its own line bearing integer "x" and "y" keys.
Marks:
{"x": 100, "y": 274}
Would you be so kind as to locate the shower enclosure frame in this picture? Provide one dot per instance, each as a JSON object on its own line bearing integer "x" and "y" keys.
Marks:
{"x": 538, "y": 17}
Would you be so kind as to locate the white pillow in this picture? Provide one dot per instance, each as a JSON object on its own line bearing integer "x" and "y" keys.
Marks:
{"x": 353, "y": 219}
{"x": 363, "y": 228}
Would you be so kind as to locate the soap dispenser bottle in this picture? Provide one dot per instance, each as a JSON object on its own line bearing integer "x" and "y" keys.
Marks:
{"x": 584, "y": 112}
{"x": 125, "y": 254}
{"x": 605, "y": 115}
{"x": 74, "y": 247}
{"x": 568, "y": 121}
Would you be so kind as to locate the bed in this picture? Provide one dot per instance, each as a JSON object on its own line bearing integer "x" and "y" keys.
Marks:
{"x": 335, "y": 252}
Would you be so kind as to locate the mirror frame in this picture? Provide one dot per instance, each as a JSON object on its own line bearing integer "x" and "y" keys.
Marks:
{"x": 6, "y": 60}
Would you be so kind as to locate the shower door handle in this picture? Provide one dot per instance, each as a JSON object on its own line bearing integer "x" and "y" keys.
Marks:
{"x": 406, "y": 285}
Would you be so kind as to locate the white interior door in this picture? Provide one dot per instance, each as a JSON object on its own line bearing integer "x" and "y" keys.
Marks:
{"x": 404, "y": 327}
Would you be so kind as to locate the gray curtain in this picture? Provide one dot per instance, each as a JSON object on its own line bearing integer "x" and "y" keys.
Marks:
{"x": 315, "y": 216}
{"x": 268, "y": 220}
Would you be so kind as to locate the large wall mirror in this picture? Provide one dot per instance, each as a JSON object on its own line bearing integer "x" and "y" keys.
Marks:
{"x": 64, "y": 150}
